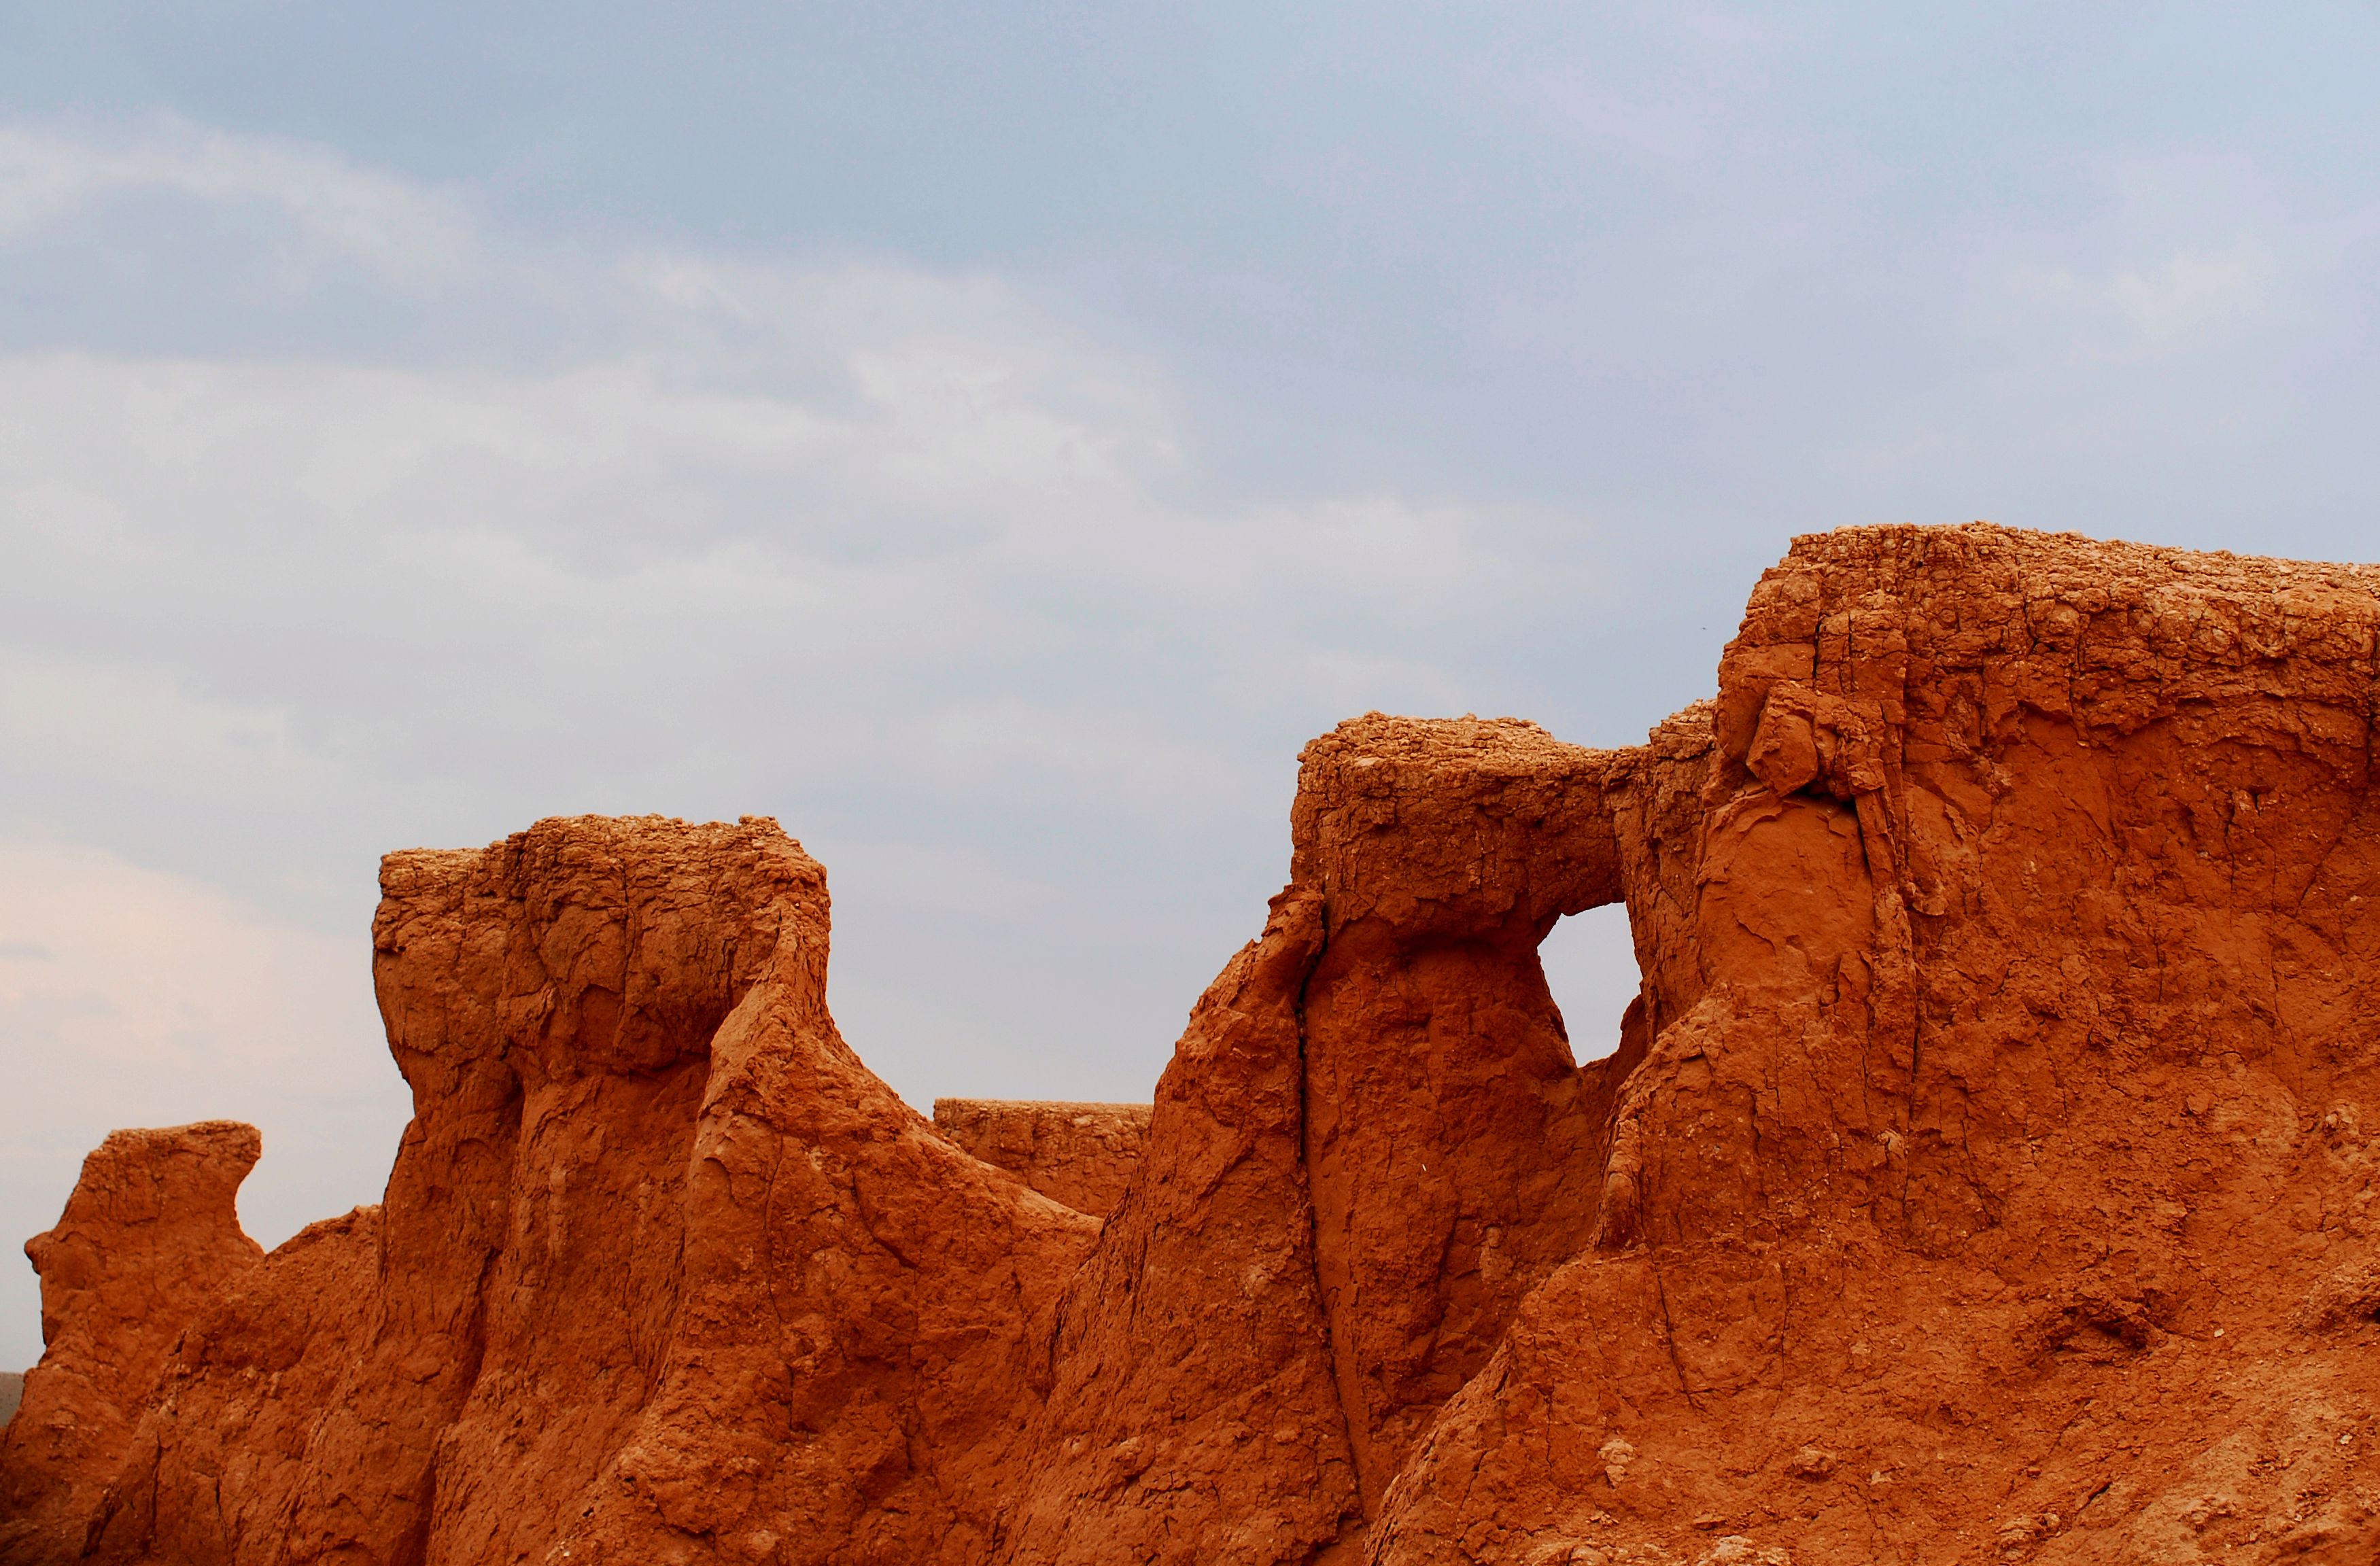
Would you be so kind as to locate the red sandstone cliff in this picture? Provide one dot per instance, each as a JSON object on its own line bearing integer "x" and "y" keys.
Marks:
{"x": 1981, "y": 1174}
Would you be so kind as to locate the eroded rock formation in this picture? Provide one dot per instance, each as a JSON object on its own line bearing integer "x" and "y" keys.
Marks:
{"x": 1981, "y": 1174}
{"x": 663, "y": 1273}
{"x": 151, "y": 1232}
{"x": 233, "y": 1425}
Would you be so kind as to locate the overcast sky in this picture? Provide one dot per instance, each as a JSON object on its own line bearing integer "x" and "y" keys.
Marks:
{"x": 992, "y": 439}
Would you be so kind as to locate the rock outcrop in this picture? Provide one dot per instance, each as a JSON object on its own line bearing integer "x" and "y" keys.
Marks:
{"x": 662, "y": 1272}
{"x": 1082, "y": 1155}
{"x": 151, "y": 1232}
{"x": 1983, "y": 1173}
{"x": 1995, "y": 1184}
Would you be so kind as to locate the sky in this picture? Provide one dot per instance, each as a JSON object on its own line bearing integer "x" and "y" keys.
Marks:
{"x": 992, "y": 439}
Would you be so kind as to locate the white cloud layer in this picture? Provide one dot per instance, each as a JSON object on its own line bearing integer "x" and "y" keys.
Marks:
{"x": 320, "y": 203}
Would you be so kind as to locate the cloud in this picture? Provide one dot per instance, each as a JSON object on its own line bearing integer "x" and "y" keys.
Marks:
{"x": 327, "y": 206}
{"x": 2186, "y": 263}
{"x": 2180, "y": 303}
{"x": 111, "y": 717}
{"x": 267, "y": 565}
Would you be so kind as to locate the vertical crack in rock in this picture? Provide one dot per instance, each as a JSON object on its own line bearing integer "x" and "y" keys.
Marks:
{"x": 1353, "y": 1520}
{"x": 1192, "y": 1416}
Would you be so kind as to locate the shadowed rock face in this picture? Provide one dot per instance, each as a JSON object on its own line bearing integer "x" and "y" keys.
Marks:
{"x": 1983, "y": 1173}
{"x": 149, "y": 1235}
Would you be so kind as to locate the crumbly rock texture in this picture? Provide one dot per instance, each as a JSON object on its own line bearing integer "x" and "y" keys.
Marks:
{"x": 1082, "y": 1155}
{"x": 148, "y": 1236}
{"x": 1981, "y": 1174}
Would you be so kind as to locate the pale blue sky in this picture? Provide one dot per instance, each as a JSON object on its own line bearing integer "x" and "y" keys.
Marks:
{"x": 992, "y": 439}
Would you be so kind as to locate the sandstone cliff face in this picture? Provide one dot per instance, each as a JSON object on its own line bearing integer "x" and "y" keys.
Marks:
{"x": 151, "y": 1232}
{"x": 1983, "y": 1174}
{"x": 1188, "y": 1411}
{"x": 210, "y": 1474}
{"x": 663, "y": 1273}
{"x": 1996, "y": 1185}
{"x": 1079, "y": 1154}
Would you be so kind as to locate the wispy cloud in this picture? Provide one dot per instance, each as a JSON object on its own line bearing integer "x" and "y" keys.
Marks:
{"x": 2187, "y": 300}
{"x": 410, "y": 235}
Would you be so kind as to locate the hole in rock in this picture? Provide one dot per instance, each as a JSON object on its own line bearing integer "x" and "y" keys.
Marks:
{"x": 1590, "y": 963}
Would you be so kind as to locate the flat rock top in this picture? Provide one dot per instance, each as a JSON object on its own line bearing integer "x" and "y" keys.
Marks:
{"x": 1470, "y": 746}
{"x": 1080, "y": 1154}
{"x": 1067, "y": 1110}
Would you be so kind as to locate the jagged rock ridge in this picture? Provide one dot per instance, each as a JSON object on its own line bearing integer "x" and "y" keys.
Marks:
{"x": 1981, "y": 1174}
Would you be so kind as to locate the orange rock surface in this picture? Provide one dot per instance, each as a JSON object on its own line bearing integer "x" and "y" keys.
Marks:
{"x": 227, "y": 1432}
{"x": 150, "y": 1234}
{"x": 663, "y": 1273}
{"x": 1981, "y": 1174}
{"x": 1082, "y": 1155}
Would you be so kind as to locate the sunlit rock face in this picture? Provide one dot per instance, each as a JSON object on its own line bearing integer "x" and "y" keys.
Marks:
{"x": 1982, "y": 1172}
